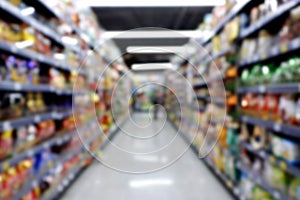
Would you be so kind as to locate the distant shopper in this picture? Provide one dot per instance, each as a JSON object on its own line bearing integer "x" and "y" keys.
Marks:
{"x": 157, "y": 100}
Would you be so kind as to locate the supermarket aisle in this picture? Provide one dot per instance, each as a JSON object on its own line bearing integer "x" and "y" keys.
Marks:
{"x": 187, "y": 178}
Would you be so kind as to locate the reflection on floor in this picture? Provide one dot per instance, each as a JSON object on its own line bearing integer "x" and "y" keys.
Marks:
{"x": 184, "y": 179}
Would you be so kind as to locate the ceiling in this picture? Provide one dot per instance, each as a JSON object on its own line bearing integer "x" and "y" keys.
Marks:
{"x": 174, "y": 18}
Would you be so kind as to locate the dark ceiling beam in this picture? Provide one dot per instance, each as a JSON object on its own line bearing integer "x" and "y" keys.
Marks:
{"x": 180, "y": 19}
{"x": 130, "y": 18}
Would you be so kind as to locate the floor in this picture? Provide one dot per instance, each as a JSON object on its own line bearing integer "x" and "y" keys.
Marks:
{"x": 147, "y": 160}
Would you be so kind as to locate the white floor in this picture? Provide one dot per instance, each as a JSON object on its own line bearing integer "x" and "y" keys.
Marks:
{"x": 184, "y": 179}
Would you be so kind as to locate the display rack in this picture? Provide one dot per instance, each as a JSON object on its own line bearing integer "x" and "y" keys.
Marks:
{"x": 274, "y": 53}
{"x": 22, "y": 121}
{"x": 284, "y": 129}
{"x": 224, "y": 179}
{"x": 232, "y": 13}
{"x": 273, "y": 89}
{"x": 35, "y": 56}
{"x": 30, "y": 152}
{"x": 75, "y": 154}
{"x": 268, "y": 19}
{"x": 6, "y": 6}
{"x": 259, "y": 181}
{"x": 277, "y": 50}
{"x": 13, "y": 86}
{"x": 292, "y": 169}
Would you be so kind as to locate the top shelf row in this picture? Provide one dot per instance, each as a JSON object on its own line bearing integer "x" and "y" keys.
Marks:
{"x": 234, "y": 11}
{"x": 11, "y": 9}
{"x": 246, "y": 32}
{"x": 68, "y": 21}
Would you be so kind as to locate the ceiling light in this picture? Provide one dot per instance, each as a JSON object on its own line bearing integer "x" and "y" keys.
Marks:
{"x": 150, "y": 182}
{"x": 24, "y": 44}
{"x": 157, "y": 49}
{"x": 28, "y": 11}
{"x": 151, "y": 3}
{"x": 69, "y": 40}
{"x": 151, "y": 66}
{"x": 150, "y": 34}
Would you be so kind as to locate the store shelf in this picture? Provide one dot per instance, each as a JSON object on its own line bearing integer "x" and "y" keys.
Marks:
{"x": 219, "y": 101}
{"x": 112, "y": 132}
{"x": 67, "y": 21}
{"x": 35, "y": 56}
{"x": 268, "y": 19}
{"x": 222, "y": 52}
{"x": 274, "y": 89}
{"x": 258, "y": 180}
{"x": 8, "y": 7}
{"x": 67, "y": 181}
{"x": 275, "y": 51}
{"x": 284, "y": 129}
{"x": 34, "y": 118}
{"x": 230, "y": 184}
{"x": 193, "y": 123}
{"x": 292, "y": 169}
{"x": 207, "y": 82}
{"x": 33, "y": 150}
{"x": 200, "y": 84}
{"x": 24, "y": 87}
{"x": 195, "y": 107}
{"x": 39, "y": 177}
{"x": 203, "y": 97}
{"x": 215, "y": 100}
{"x": 232, "y": 13}
{"x": 68, "y": 178}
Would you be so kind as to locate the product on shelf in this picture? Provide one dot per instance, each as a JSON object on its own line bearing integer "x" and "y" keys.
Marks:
{"x": 294, "y": 189}
{"x": 259, "y": 193}
{"x": 277, "y": 178}
{"x": 285, "y": 149}
{"x": 258, "y": 139}
{"x": 6, "y": 143}
{"x": 230, "y": 166}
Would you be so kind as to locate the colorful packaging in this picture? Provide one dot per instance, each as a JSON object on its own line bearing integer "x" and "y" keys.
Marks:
{"x": 6, "y": 143}
{"x": 285, "y": 149}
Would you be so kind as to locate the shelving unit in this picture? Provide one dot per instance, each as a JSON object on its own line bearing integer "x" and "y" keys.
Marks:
{"x": 259, "y": 181}
{"x": 277, "y": 50}
{"x": 231, "y": 57}
{"x": 285, "y": 129}
{"x": 274, "y": 89}
{"x": 268, "y": 19}
{"x": 10, "y": 48}
{"x": 67, "y": 140}
{"x": 231, "y": 14}
{"x": 22, "y": 121}
{"x": 292, "y": 169}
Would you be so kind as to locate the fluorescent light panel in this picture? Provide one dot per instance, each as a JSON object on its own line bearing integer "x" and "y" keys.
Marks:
{"x": 152, "y": 3}
{"x": 144, "y": 34}
{"x": 151, "y": 66}
{"x": 156, "y": 49}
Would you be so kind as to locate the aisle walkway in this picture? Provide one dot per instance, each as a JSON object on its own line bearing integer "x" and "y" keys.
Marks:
{"x": 186, "y": 179}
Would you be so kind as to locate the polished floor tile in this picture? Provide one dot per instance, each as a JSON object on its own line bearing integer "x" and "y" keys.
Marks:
{"x": 138, "y": 149}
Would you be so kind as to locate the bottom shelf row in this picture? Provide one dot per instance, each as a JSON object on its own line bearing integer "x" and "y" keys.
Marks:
{"x": 247, "y": 173}
{"x": 48, "y": 172}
